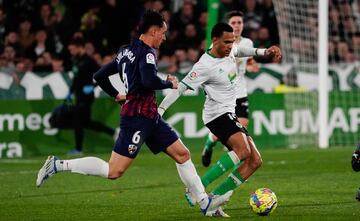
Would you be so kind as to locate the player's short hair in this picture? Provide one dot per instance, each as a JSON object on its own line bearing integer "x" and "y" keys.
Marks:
{"x": 150, "y": 18}
{"x": 220, "y": 28}
{"x": 233, "y": 13}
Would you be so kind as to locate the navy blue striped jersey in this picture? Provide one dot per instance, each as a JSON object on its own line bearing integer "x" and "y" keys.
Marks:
{"x": 136, "y": 64}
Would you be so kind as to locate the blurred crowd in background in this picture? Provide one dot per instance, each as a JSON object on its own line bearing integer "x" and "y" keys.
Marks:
{"x": 344, "y": 31}
{"x": 34, "y": 34}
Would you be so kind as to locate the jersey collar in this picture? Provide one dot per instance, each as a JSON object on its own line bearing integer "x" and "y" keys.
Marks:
{"x": 208, "y": 52}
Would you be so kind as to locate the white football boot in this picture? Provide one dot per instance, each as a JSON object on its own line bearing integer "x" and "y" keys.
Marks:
{"x": 47, "y": 170}
{"x": 190, "y": 198}
{"x": 217, "y": 213}
{"x": 215, "y": 203}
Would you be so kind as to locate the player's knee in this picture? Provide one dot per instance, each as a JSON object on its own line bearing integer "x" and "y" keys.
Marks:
{"x": 114, "y": 174}
{"x": 183, "y": 156}
{"x": 241, "y": 151}
{"x": 256, "y": 163}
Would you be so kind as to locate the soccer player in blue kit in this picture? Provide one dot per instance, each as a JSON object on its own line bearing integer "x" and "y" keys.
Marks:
{"x": 140, "y": 121}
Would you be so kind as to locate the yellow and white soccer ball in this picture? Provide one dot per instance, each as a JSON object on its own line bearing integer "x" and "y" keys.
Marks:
{"x": 263, "y": 201}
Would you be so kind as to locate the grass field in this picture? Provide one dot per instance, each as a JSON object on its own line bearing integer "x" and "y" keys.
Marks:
{"x": 311, "y": 184}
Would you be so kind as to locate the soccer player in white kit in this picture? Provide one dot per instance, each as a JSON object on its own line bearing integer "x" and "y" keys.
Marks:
{"x": 215, "y": 72}
{"x": 235, "y": 20}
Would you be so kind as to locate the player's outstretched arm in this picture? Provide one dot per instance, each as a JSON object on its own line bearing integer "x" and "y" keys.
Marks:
{"x": 171, "y": 98}
{"x": 273, "y": 52}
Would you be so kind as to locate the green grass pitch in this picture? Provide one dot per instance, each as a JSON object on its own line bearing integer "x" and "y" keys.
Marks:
{"x": 311, "y": 184}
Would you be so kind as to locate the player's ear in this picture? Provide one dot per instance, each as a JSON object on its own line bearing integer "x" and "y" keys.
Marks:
{"x": 152, "y": 31}
{"x": 215, "y": 40}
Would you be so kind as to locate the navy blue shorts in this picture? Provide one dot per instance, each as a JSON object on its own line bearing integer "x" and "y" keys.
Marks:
{"x": 134, "y": 131}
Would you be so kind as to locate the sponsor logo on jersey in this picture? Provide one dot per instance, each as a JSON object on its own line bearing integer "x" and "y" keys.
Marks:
{"x": 150, "y": 58}
{"x": 132, "y": 148}
{"x": 193, "y": 75}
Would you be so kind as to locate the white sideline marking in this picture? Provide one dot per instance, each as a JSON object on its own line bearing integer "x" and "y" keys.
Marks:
{"x": 18, "y": 172}
{"x": 276, "y": 162}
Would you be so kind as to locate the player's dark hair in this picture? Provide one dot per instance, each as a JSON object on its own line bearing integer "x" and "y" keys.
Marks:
{"x": 233, "y": 13}
{"x": 220, "y": 28}
{"x": 150, "y": 18}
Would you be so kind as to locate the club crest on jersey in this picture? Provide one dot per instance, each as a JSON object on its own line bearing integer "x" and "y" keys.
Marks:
{"x": 132, "y": 148}
{"x": 231, "y": 77}
{"x": 193, "y": 75}
{"x": 150, "y": 58}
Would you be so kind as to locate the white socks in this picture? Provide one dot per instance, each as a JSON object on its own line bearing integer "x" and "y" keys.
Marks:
{"x": 191, "y": 179}
{"x": 86, "y": 166}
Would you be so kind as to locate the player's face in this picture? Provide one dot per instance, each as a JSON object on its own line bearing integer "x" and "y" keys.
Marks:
{"x": 73, "y": 50}
{"x": 224, "y": 44}
{"x": 236, "y": 22}
{"x": 159, "y": 35}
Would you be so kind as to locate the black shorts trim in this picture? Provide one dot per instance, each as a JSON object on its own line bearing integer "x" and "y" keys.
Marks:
{"x": 224, "y": 126}
{"x": 242, "y": 107}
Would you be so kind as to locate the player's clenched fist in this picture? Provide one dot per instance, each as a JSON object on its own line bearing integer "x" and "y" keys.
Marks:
{"x": 275, "y": 53}
{"x": 173, "y": 80}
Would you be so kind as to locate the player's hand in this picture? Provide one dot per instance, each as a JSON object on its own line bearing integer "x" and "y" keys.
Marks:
{"x": 275, "y": 53}
{"x": 120, "y": 98}
{"x": 173, "y": 80}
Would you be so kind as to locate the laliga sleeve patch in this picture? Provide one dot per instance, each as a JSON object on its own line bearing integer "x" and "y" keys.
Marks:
{"x": 150, "y": 58}
{"x": 193, "y": 75}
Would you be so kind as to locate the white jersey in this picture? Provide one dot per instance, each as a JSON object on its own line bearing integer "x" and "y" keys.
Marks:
{"x": 239, "y": 81}
{"x": 215, "y": 76}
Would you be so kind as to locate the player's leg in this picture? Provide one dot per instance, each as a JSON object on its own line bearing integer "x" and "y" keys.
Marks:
{"x": 243, "y": 171}
{"x": 225, "y": 163}
{"x": 206, "y": 155}
{"x": 131, "y": 137}
{"x": 187, "y": 171}
{"x": 78, "y": 135}
{"x": 210, "y": 206}
{"x": 224, "y": 126}
{"x": 81, "y": 117}
{"x": 243, "y": 121}
{"x": 163, "y": 138}
{"x": 93, "y": 166}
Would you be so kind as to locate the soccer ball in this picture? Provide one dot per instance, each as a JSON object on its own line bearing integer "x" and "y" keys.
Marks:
{"x": 263, "y": 201}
